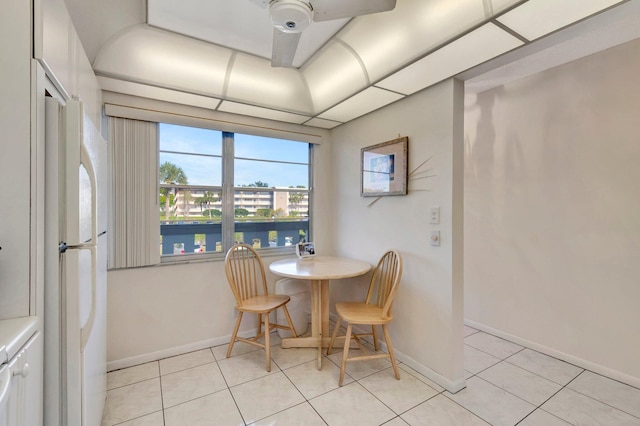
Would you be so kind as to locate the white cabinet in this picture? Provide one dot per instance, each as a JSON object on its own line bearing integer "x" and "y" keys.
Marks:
{"x": 21, "y": 349}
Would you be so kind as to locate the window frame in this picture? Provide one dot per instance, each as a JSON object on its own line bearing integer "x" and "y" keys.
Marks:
{"x": 228, "y": 191}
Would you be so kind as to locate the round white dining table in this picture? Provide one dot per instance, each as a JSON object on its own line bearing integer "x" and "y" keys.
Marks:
{"x": 319, "y": 270}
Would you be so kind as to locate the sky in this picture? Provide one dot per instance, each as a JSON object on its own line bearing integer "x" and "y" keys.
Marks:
{"x": 206, "y": 170}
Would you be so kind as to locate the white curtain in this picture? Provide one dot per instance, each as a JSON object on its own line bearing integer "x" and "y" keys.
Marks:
{"x": 134, "y": 218}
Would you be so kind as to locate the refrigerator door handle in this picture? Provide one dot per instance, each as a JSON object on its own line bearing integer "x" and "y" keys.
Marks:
{"x": 63, "y": 246}
{"x": 86, "y": 329}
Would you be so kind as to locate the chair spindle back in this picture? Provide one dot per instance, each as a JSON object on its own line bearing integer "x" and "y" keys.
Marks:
{"x": 384, "y": 281}
{"x": 245, "y": 272}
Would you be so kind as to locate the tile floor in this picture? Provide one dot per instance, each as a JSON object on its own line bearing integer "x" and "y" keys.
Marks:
{"x": 506, "y": 385}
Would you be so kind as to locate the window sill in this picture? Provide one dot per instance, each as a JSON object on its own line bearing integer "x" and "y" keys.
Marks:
{"x": 217, "y": 256}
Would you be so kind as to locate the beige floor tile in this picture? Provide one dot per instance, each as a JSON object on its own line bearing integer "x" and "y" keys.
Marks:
{"x": 188, "y": 360}
{"x": 542, "y": 418}
{"x": 421, "y": 377}
{"x": 522, "y": 383}
{"x": 550, "y": 368}
{"x": 491, "y": 403}
{"x": 399, "y": 395}
{"x": 265, "y": 396}
{"x": 217, "y": 409}
{"x": 153, "y": 419}
{"x": 492, "y": 345}
{"x": 578, "y": 409}
{"x": 220, "y": 352}
{"x": 441, "y": 411}
{"x": 245, "y": 367}
{"x": 128, "y": 376}
{"x": 618, "y": 395}
{"x": 468, "y": 331}
{"x": 351, "y": 405}
{"x": 396, "y": 422}
{"x": 475, "y": 360}
{"x": 312, "y": 382}
{"x": 360, "y": 369}
{"x": 286, "y": 358}
{"x": 301, "y": 414}
{"x": 192, "y": 383}
{"x": 132, "y": 401}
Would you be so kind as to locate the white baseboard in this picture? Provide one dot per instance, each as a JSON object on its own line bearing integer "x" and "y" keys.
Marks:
{"x": 588, "y": 365}
{"x": 177, "y": 350}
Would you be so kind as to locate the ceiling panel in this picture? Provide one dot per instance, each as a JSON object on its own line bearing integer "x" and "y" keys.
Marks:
{"x": 255, "y": 111}
{"x": 536, "y": 18}
{"x": 238, "y": 24}
{"x": 384, "y": 41}
{"x": 221, "y": 56}
{"x": 614, "y": 27}
{"x": 325, "y": 124}
{"x": 97, "y": 21}
{"x": 149, "y": 55}
{"x": 334, "y": 75}
{"x": 497, "y": 6}
{"x": 480, "y": 45}
{"x": 144, "y": 91}
{"x": 364, "y": 102}
{"x": 252, "y": 79}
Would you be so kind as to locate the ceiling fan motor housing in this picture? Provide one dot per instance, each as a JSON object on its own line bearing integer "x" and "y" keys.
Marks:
{"x": 290, "y": 16}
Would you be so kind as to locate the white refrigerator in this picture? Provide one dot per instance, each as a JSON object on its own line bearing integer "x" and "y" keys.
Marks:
{"x": 75, "y": 267}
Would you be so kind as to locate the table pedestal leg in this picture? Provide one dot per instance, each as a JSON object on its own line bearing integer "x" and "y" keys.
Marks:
{"x": 319, "y": 321}
{"x": 317, "y": 324}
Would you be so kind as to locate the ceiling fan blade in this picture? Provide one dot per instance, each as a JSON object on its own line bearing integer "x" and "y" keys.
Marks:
{"x": 284, "y": 48}
{"x": 325, "y": 10}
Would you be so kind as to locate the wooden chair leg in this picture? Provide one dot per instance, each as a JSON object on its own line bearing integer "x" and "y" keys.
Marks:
{"x": 375, "y": 339}
{"x": 259, "y": 326}
{"x": 234, "y": 334}
{"x": 267, "y": 343}
{"x": 345, "y": 353}
{"x": 387, "y": 338}
{"x": 286, "y": 314}
{"x": 333, "y": 336}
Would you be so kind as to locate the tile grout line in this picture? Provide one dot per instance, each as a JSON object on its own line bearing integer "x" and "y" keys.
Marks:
{"x": 539, "y": 407}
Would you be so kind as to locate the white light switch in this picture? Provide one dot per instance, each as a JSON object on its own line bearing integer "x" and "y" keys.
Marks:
{"x": 434, "y": 216}
{"x": 435, "y": 238}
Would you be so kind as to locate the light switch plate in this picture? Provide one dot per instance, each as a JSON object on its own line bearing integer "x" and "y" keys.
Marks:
{"x": 434, "y": 215}
{"x": 435, "y": 238}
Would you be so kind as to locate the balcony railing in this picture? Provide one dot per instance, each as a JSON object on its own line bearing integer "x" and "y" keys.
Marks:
{"x": 179, "y": 237}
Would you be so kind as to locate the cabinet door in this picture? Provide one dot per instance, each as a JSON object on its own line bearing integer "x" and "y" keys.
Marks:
{"x": 25, "y": 402}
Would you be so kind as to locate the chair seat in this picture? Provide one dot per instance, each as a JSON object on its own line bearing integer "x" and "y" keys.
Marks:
{"x": 361, "y": 313}
{"x": 263, "y": 304}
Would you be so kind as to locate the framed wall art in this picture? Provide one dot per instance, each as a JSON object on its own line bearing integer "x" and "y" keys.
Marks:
{"x": 384, "y": 168}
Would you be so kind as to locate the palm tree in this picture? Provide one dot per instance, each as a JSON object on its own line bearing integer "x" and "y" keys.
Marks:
{"x": 295, "y": 198}
{"x": 207, "y": 199}
{"x": 170, "y": 174}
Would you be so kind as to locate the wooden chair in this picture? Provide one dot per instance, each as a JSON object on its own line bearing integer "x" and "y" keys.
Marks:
{"x": 245, "y": 273}
{"x": 375, "y": 310}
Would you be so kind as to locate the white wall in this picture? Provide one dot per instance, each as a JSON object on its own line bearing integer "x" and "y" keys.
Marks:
{"x": 15, "y": 162}
{"x": 427, "y": 325}
{"x": 167, "y": 310}
{"x": 162, "y": 311}
{"x": 552, "y": 208}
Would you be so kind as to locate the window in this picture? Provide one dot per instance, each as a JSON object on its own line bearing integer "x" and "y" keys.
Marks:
{"x": 266, "y": 202}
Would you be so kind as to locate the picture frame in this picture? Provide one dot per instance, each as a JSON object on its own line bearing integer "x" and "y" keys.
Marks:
{"x": 305, "y": 250}
{"x": 384, "y": 168}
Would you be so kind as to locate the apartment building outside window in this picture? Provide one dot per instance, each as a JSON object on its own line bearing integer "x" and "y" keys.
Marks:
{"x": 217, "y": 188}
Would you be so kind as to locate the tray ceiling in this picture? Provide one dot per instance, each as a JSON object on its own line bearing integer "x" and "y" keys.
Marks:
{"x": 219, "y": 50}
